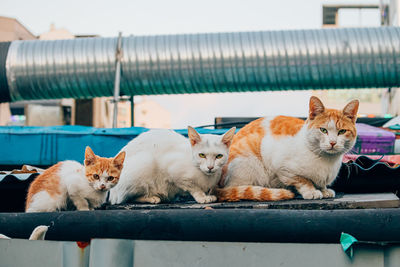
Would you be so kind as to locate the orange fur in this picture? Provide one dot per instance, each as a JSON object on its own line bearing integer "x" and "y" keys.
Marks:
{"x": 256, "y": 193}
{"x": 48, "y": 181}
{"x": 283, "y": 125}
{"x": 248, "y": 140}
{"x": 342, "y": 121}
{"x": 247, "y": 143}
{"x": 248, "y": 193}
{"x": 97, "y": 165}
{"x": 265, "y": 194}
{"x": 299, "y": 182}
{"x": 100, "y": 165}
{"x": 233, "y": 194}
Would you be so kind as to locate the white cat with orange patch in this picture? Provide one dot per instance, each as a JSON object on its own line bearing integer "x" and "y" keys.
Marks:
{"x": 270, "y": 155}
{"x": 86, "y": 186}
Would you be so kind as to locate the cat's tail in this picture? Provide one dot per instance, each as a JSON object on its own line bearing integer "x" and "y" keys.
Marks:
{"x": 39, "y": 232}
{"x": 255, "y": 193}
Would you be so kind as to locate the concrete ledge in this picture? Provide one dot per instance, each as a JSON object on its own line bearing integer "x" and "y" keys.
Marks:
{"x": 128, "y": 253}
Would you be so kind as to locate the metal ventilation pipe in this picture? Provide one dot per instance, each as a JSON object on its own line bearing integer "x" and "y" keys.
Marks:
{"x": 197, "y": 63}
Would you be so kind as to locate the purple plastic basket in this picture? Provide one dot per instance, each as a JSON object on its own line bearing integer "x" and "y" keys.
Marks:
{"x": 372, "y": 140}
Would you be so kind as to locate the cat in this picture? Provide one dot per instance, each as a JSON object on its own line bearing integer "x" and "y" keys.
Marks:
{"x": 162, "y": 164}
{"x": 270, "y": 155}
{"x": 86, "y": 186}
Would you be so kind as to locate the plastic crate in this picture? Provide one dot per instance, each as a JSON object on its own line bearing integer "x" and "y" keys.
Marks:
{"x": 373, "y": 141}
{"x": 48, "y": 145}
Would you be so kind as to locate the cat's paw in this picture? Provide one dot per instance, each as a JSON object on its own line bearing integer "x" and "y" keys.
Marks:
{"x": 153, "y": 200}
{"x": 328, "y": 193}
{"x": 206, "y": 199}
{"x": 312, "y": 194}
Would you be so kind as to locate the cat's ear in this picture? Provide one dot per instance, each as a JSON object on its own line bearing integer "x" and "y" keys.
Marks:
{"x": 351, "y": 109}
{"x": 194, "y": 136}
{"x": 90, "y": 157}
{"x": 316, "y": 107}
{"x": 228, "y": 136}
{"x": 118, "y": 161}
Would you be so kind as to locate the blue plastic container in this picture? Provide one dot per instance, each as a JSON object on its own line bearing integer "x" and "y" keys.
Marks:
{"x": 49, "y": 145}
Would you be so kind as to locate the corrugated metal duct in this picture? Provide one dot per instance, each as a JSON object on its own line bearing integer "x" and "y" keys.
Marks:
{"x": 198, "y": 63}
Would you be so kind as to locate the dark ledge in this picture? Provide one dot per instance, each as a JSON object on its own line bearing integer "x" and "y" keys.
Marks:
{"x": 243, "y": 222}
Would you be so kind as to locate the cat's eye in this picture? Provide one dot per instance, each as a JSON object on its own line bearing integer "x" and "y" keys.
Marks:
{"x": 219, "y": 156}
{"x": 201, "y": 155}
{"x": 96, "y": 176}
{"x": 110, "y": 178}
{"x": 325, "y": 131}
{"x": 342, "y": 131}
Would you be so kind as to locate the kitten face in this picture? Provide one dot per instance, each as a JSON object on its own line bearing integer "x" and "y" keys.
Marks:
{"x": 210, "y": 152}
{"x": 103, "y": 173}
{"x": 332, "y": 131}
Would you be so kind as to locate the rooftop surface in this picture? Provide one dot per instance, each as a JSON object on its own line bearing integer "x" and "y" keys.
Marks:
{"x": 341, "y": 201}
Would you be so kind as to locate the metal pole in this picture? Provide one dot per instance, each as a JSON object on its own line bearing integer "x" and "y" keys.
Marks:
{"x": 118, "y": 57}
{"x": 132, "y": 112}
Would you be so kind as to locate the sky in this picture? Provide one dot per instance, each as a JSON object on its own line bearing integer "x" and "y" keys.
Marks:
{"x": 163, "y": 16}
{"x": 151, "y": 17}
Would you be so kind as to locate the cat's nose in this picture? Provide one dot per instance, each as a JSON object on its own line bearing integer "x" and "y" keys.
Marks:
{"x": 210, "y": 167}
{"x": 333, "y": 143}
{"x": 102, "y": 186}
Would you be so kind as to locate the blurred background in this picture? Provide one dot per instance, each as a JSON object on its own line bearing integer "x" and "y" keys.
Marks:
{"x": 54, "y": 20}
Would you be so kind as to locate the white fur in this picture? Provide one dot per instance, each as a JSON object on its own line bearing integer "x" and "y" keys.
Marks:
{"x": 39, "y": 232}
{"x": 307, "y": 154}
{"x": 74, "y": 186}
{"x": 161, "y": 164}
{"x": 4, "y": 237}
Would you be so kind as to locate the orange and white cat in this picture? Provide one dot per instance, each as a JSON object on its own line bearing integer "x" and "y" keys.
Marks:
{"x": 270, "y": 155}
{"x": 86, "y": 186}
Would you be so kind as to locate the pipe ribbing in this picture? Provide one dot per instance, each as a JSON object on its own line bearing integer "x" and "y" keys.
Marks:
{"x": 196, "y": 63}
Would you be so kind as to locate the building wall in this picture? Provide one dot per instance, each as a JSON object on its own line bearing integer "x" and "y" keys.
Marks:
{"x": 56, "y": 34}
{"x": 147, "y": 114}
{"x": 11, "y": 29}
{"x": 150, "y": 114}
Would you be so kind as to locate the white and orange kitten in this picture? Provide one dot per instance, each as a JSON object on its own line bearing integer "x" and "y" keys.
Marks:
{"x": 86, "y": 186}
{"x": 161, "y": 164}
{"x": 270, "y": 155}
